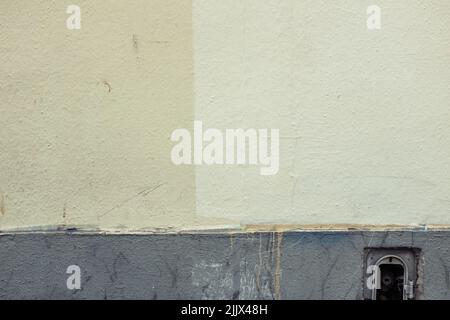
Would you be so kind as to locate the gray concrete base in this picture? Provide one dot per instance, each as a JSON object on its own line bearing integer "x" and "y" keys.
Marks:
{"x": 293, "y": 265}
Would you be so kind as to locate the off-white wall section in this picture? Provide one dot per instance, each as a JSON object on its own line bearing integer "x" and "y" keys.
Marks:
{"x": 363, "y": 115}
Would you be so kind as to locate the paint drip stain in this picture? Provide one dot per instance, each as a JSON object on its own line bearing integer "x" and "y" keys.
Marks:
{"x": 278, "y": 240}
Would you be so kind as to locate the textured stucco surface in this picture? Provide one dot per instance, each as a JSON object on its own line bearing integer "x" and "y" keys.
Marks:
{"x": 294, "y": 265}
{"x": 363, "y": 114}
{"x": 86, "y": 115}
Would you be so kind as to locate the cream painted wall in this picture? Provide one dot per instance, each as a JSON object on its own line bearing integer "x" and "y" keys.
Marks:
{"x": 86, "y": 115}
{"x": 363, "y": 115}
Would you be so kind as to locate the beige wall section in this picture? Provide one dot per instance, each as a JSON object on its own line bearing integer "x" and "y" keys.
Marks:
{"x": 364, "y": 115}
{"x": 86, "y": 116}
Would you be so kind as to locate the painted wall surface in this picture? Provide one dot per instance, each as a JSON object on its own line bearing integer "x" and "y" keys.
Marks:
{"x": 86, "y": 115}
{"x": 293, "y": 265}
{"x": 363, "y": 114}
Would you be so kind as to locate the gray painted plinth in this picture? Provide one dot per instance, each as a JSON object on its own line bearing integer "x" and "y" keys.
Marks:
{"x": 293, "y": 265}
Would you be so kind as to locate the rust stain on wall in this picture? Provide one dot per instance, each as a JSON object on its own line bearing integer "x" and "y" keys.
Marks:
{"x": 2, "y": 204}
{"x": 277, "y": 242}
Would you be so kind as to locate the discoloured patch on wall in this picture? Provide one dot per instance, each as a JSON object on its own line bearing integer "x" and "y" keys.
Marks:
{"x": 212, "y": 279}
{"x": 2, "y": 204}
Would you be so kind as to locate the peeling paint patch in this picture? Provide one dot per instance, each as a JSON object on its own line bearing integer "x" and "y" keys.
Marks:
{"x": 253, "y": 285}
{"x": 214, "y": 281}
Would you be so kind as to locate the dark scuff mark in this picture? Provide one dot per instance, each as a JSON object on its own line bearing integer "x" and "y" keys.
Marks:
{"x": 120, "y": 257}
{"x": 160, "y": 42}
{"x": 386, "y": 234}
{"x": 135, "y": 42}
{"x": 48, "y": 243}
{"x": 173, "y": 274}
{"x": 64, "y": 215}
{"x": 143, "y": 193}
{"x": 106, "y": 83}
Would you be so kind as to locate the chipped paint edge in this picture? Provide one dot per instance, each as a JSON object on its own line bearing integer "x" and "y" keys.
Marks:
{"x": 225, "y": 229}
